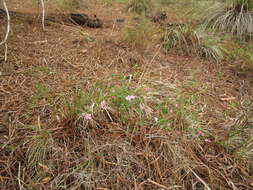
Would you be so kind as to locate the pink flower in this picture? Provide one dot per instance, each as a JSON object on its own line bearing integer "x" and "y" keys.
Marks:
{"x": 104, "y": 105}
{"x": 200, "y": 133}
{"x": 131, "y": 97}
{"x": 207, "y": 140}
{"x": 87, "y": 116}
{"x": 147, "y": 89}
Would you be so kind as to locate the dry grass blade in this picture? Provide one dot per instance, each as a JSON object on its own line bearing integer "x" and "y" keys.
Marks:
{"x": 162, "y": 186}
{"x": 206, "y": 186}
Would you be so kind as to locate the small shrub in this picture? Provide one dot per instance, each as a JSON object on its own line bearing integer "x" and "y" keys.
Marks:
{"x": 140, "y": 6}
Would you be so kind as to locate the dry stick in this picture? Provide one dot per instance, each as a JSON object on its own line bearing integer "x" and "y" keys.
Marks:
{"x": 8, "y": 23}
{"x": 162, "y": 186}
{"x": 6, "y": 52}
{"x": 19, "y": 181}
{"x": 43, "y": 14}
{"x": 7, "y": 31}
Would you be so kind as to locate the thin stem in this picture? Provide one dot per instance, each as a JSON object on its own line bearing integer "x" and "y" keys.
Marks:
{"x": 8, "y": 23}
{"x": 43, "y": 14}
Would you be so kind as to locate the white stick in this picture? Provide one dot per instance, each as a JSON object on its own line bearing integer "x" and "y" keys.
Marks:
{"x": 8, "y": 23}
{"x": 6, "y": 52}
{"x": 19, "y": 181}
{"x": 43, "y": 14}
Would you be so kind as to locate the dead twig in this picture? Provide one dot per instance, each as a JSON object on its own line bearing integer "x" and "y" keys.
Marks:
{"x": 7, "y": 30}
{"x": 8, "y": 23}
{"x": 162, "y": 186}
{"x": 43, "y": 14}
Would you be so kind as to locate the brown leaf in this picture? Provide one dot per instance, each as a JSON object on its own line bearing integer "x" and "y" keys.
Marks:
{"x": 46, "y": 180}
{"x": 44, "y": 167}
{"x": 228, "y": 98}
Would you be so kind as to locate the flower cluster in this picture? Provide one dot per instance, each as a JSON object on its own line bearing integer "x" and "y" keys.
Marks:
{"x": 86, "y": 116}
{"x": 104, "y": 105}
{"x": 130, "y": 97}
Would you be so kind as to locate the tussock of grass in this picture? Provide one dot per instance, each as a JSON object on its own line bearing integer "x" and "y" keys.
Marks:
{"x": 236, "y": 19}
{"x": 239, "y": 139}
{"x": 187, "y": 41}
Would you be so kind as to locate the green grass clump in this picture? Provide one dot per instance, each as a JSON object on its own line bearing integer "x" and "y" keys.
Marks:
{"x": 140, "y": 6}
{"x": 186, "y": 40}
{"x": 240, "y": 51}
{"x": 110, "y": 2}
{"x": 166, "y": 2}
{"x": 70, "y": 5}
{"x": 139, "y": 35}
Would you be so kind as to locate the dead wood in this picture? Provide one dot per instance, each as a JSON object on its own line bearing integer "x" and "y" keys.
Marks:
{"x": 74, "y": 18}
